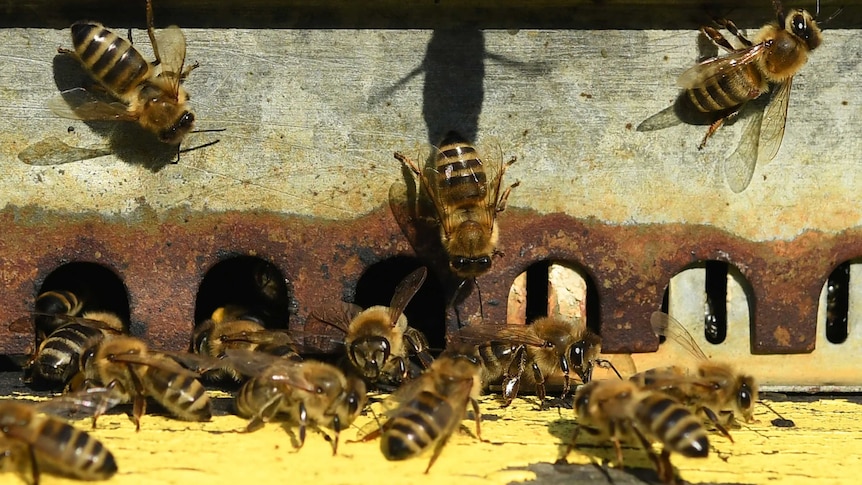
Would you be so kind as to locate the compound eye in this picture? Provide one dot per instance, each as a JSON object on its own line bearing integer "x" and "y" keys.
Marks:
{"x": 459, "y": 262}
{"x": 744, "y": 399}
{"x": 799, "y": 26}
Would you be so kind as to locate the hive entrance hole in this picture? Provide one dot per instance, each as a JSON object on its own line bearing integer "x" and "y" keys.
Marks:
{"x": 254, "y": 284}
{"x": 837, "y": 295}
{"x": 426, "y": 312}
{"x": 557, "y": 289}
{"x": 709, "y": 293}
{"x": 98, "y": 287}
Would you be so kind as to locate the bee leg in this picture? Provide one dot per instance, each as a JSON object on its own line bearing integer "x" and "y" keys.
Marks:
{"x": 712, "y": 129}
{"x": 437, "y": 450}
{"x": 34, "y": 467}
{"x": 478, "y": 417}
{"x": 189, "y": 69}
{"x": 573, "y": 443}
{"x": 139, "y": 405}
{"x": 266, "y": 413}
{"x": 151, "y": 32}
{"x": 63, "y": 50}
{"x": 715, "y": 421}
{"x": 662, "y": 463}
{"x": 731, "y": 27}
{"x": 103, "y": 403}
{"x": 303, "y": 421}
{"x": 504, "y": 198}
{"x": 418, "y": 346}
{"x": 540, "y": 384}
{"x": 512, "y": 376}
{"x": 717, "y": 38}
{"x": 336, "y": 426}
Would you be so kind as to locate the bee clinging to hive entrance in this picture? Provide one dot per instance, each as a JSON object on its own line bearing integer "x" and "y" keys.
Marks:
{"x": 721, "y": 86}
{"x": 150, "y": 94}
{"x": 378, "y": 340}
{"x": 714, "y": 389}
{"x": 618, "y": 410}
{"x": 466, "y": 203}
{"x": 53, "y": 442}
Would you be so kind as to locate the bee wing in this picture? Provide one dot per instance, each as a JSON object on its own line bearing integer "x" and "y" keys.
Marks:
{"x": 158, "y": 360}
{"x": 404, "y": 292}
{"x": 497, "y": 168}
{"x": 80, "y": 104}
{"x": 85, "y": 402}
{"x": 171, "y": 45}
{"x": 739, "y": 166}
{"x": 69, "y": 319}
{"x": 52, "y": 151}
{"x": 338, "y": 316}
{"x": 258, "y": 364}
{"x": 486, "y": 333}
{"x": 666, "y": 326}
{"x": 661, "y": 120}
{"x": 774, "y": 121}
{"x": 727, "y": 65}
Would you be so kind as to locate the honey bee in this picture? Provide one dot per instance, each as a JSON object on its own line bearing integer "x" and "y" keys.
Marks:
{"x": 378, "y": 340}
{"x": 232, "y": 328}
{"x": 548, "y": 346}
{"x": 431, "y": 407}
{"x": 51, "y": 310}
{"x": 129, "y": 370}
{"x": 306, "y": 393}
{"x": 47, "y": 440}
{"x": 57, "y": 357}
{"x": 723, "y": 85}
{"x": 714, "y": 389}
{"x": 466, "y": 207}
{"x": 619, "y": 410}
{"x": 150, "y": 94}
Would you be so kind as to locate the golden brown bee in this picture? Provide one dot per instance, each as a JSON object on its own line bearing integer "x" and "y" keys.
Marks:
{"x": 431, "y": 407}
{"x": 51, "y": 310}
{"x": 57, "y": 357}
{"x": 548, "y": 346}
{"x": 149, "y": 93}
{"x": 305, "y": 393}
{"x": 129, "y": 371}
{"x": 378, "y": 340}
{"x": 466, "y": 206}
{"x": 231, "y": 328}
{"x": 619, "y": 410}
{"x": 713, "y": 389}
{"x": 723, "y": 85}
{"x": 45, "y": 440}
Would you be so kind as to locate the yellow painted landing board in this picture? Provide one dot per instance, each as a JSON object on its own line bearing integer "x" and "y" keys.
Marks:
{"x": 826, "y": 445}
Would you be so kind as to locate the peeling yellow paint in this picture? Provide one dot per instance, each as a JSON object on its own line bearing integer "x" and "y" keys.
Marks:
{"x": 167, "y": 451}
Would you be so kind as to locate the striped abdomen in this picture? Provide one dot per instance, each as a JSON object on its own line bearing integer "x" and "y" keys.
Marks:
{"x": 59, "y": 302}
{"x": 727, "y": 92}
{"x": 461, "y": 179}
{"x": 109, "y": 58}
{"x": 68, "y": 450}
{"x": 254, "y": 396}
{"x": 672, "y": 424}
{"x": 58, "y": 356}
{"x": 181, "y": 394}
{"x": 416, "y": 426}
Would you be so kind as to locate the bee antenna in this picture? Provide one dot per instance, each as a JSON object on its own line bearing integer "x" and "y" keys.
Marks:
{"x": 779, "y": 9}
{"x": 831, "y": 16}
{"x": 212, "y": 130}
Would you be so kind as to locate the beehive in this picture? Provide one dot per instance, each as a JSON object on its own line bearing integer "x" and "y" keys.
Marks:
{"x": 315, "y": 97}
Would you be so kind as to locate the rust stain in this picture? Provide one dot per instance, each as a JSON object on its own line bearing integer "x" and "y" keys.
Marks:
{"x": 163, "y": 258}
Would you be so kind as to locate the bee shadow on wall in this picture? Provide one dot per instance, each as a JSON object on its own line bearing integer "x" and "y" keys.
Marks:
{"x": 126, "y": 139}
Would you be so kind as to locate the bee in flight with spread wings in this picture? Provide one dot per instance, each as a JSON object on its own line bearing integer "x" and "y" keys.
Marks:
{"x": 721, "y": 86}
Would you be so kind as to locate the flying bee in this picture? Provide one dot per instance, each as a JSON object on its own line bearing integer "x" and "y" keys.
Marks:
{"x": 378, "y": 339}
{"x": 57, "y": 357}
{"x": 619, "y": 410}
{"x": 231, "y": 328}
{"x": 306, "y": 393}
{"x": 128, "y": 369}
{"x": 721, "y": 86}
{"x": 714, "y": 389}
{"x": 45, "y": 440}
{"x": 431, "y": 407}
{"x": 150, "y": 94}
{"x": 548, "y": 346}
{"x": 466, "y": 206}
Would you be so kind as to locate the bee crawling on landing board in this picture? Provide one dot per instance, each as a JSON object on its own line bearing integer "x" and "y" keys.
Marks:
{"x": 721, "y": 86}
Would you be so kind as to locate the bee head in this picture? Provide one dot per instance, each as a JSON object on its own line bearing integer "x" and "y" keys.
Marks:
{"x": 801, "y": 24}
{"x": 175, "y": 133}
{"x": 370, "y": 354}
